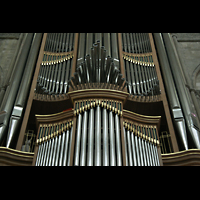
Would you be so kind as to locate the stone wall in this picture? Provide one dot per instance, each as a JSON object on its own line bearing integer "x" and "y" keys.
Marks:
{"x": 188, "y": 48}
{"x": 8, "y": 45}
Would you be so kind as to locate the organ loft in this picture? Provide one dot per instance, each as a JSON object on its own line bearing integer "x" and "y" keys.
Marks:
{"x": 98, "y": 99}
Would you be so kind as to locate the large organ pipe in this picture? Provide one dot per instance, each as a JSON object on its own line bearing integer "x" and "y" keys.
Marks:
{"x": 105, "y": 138}
{"x": 186, "y": 103}
{"x": 112, "y": 138}
{"x": 98, "y": 136}
{"x": 90, "y": 160}
{"x": 78, "y": 140}
{"x": 126, "y": 152}
{"x": 84, "y": 139}
{"x": 177, "y": 114}
{"x": 10, "y": 98}
{"x": 118, "y": 141}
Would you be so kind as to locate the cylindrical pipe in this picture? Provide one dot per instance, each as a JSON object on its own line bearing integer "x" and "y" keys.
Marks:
{"x": 90, "y": 156}
{"x": 118, "y": 141}
{"x": 125, "y": 144}
{"x": 171, "y": 90}
{"x": 129, "y": 148}
{"x": 84, "y": 139}
{"x": 105, "y": 138}
{"x": 98, "y": 136}
{"x": 78, "y": 141}
{"x": 133, "y": 149}
{"x": 7, "y": 105}
{"x": 112, "y": 140}
{"x": 65, "y": 150}
{"x": 188, "y": 110}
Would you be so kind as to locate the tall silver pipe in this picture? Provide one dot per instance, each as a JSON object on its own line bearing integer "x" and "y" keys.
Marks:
{"x": 137, "y": 150}
{"x": 38, "y": 155}
{"x": 70, "y": 144}
{"x": 98, "y": 136}
{"x": 78, "y": 141}
{"x": 125, "y": 144}
{"x": 48, "y": 153}
{"x": 133, "y": 149}
{"x": 62, "y": 148}
{"x": 55, "y": 151}
{"x": 186, "y": 103}
{"x": 51, "y": 152}
{"x": 147, "y": 153}
{"x": 140, "y": 151}
{"x": 112, "y": 139}
{"x": 129, "y": 148}
{"x": 65, "y": 150}
{"x": 118, "y": 141}
{"x": 105, "y": 138}
{"x": 90, "y": 156}
{"x": 8, "y": 104}
{"x": 58, "y": 150}
{"x": 144, "y": 153}
{"x": 45, "y": 152}
{"x": 84, "y": 139}
{"x": 174, "y": 103}
{"x": 152, "y": 154}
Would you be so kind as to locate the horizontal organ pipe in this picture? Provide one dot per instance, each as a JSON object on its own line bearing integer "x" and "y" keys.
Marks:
{"x": 98, "y": 134}
{"x": 54, "y": 145}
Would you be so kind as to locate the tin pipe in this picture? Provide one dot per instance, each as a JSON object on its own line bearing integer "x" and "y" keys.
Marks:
{"x": 98, "y": 136}
{"x": 112, "y": 139}
{"x": 78, "y": 140}
{"x": 90, "y": 156}
{"x": 84, "y": 139}
{"x": 105, "y": 138}
{"x": 118, "y": 141}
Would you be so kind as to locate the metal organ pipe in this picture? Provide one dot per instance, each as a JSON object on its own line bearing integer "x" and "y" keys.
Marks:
{"x": 141, "y": 150}
{"x": 174, "y": 103}
{"x": 52, "y": 151}
{"x": 186, "y": 102}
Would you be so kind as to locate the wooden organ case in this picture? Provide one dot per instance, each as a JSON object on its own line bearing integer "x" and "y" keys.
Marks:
{"x": 97, "y": 99}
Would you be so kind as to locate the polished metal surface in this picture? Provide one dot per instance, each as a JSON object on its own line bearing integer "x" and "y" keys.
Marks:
{"x": 98, "y": 136}
{"x": 118, "y": 141}
{"x": 112, "y": 139}
{"x": 105, "y": 138}
{"x": 84, "y": 139}
{"x": 185, "y": 100}
{"x": 90, "y": 156}
{"x": 11, "y": 93}
{"x": 78, "y": 141}
{"x": 171, "y": 90}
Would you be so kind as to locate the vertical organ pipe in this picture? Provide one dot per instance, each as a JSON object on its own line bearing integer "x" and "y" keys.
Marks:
{"x": 90, "y": 155}
{"x": 105, "y": 138}
{"x": 112, "y": 139}
{"x": 185, "y": 101}
{"x": 174, "y": 103}
{"x": 13, "y": 88}
{"x": 98, "y": 136}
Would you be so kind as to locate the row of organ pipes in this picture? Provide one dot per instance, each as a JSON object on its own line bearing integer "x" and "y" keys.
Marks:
{"x": 139, "y": 66}
{"x": 54, "y": 144}
{"x": 57, "y": 63}
{"x": 98, "y": 130}
{"x": 98, "y": 139}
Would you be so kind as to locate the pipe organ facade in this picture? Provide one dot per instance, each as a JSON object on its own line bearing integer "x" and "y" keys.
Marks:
{"x": 98, "y": 99}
